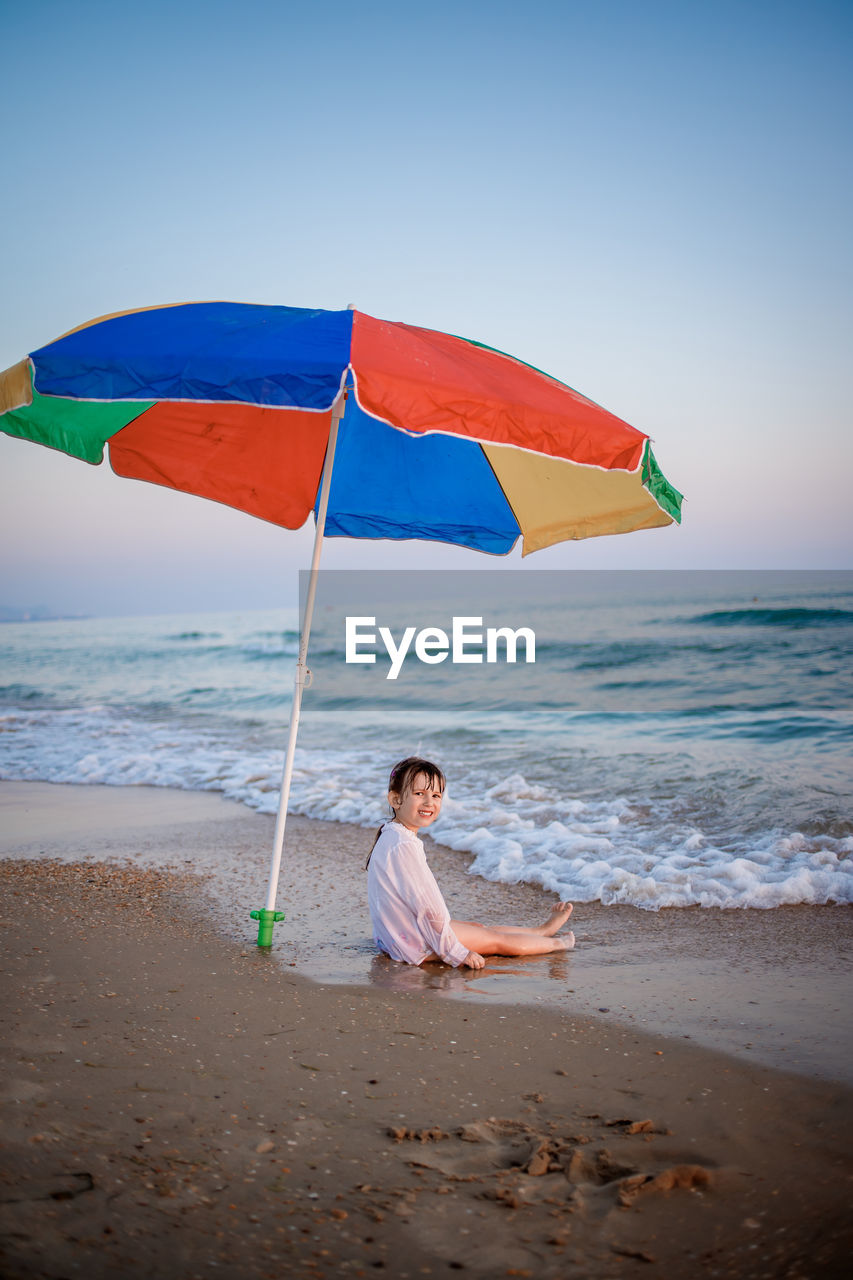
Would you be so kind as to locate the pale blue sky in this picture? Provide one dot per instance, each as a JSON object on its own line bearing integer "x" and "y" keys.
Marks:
{"x": 652, "y": 201}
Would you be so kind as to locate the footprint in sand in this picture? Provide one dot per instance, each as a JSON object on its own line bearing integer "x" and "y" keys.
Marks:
{"x": 522, "y": 1164}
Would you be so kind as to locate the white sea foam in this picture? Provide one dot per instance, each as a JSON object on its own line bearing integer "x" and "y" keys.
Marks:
{"x": 607, "y": 850}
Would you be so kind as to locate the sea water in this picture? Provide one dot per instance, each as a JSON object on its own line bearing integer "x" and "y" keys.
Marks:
{"x": 680, "y": 739}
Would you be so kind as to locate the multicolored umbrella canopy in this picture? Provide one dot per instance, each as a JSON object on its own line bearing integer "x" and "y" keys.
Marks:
{"x": 385, "y": 430}
{"x": 442, "y": 438}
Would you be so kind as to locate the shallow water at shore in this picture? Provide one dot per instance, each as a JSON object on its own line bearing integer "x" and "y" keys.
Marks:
{"x": 769, "y": 987}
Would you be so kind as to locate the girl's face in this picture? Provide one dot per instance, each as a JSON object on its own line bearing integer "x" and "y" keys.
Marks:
{"x": 417, "y": 807}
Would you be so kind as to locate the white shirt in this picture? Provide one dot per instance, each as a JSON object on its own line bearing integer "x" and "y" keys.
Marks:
{"x": 410, "y": 917}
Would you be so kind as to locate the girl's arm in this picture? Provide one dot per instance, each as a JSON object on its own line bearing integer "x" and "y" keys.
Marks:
{"x": 441, "y": 939}
{"x": 424, "y": 898}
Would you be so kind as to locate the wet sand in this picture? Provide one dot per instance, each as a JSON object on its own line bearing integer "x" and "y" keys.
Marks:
{"x": 771, "y": 986}
{"x": 177, "y": 1103}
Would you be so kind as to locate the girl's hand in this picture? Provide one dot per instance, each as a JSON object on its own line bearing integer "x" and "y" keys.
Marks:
{"x": 474, "y": 960}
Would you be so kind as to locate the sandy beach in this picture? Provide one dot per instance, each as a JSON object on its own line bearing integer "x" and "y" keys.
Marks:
{"x": 176, "y": 1103}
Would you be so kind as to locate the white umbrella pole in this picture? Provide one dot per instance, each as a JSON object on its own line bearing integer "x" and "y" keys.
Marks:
{"x": 268, "y": 916}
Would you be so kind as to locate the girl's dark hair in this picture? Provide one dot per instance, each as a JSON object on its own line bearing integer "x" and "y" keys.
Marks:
{"x": 403, "y": 775}
{"x": 402, "y": 779}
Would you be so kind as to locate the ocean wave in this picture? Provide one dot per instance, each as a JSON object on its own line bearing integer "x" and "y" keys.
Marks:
{"x": 269, "y": 650}
{"x": 17, "y": 693}
{"x": 615, "y": 849}
{"x": 794, "y": 619}
{"x": 205, "y": 644}
{"x": 195, "y": 635}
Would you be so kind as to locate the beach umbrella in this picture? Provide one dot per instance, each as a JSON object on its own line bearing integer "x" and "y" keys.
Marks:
{"x": 382, "y": 429}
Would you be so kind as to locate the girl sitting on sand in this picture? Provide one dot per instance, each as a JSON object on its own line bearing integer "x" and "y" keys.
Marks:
{"x": 410, "y": 919}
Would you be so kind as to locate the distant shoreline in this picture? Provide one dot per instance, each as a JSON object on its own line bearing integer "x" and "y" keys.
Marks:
{"x": 40, "y": 615}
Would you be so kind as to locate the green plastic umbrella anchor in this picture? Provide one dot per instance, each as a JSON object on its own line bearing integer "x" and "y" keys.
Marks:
{"x": 267, "y": 920}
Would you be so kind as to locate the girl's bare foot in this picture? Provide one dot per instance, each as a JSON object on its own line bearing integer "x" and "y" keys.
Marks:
{"x": 557, "y": 919}
{"x": 565, "y": 942}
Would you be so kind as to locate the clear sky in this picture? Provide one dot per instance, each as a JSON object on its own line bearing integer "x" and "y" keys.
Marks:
{"x": 650, "y": 200}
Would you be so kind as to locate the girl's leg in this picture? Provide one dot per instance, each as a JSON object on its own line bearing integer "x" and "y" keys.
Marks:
{"x": 552, "y": 925}
{"x": 508, "y": 942}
